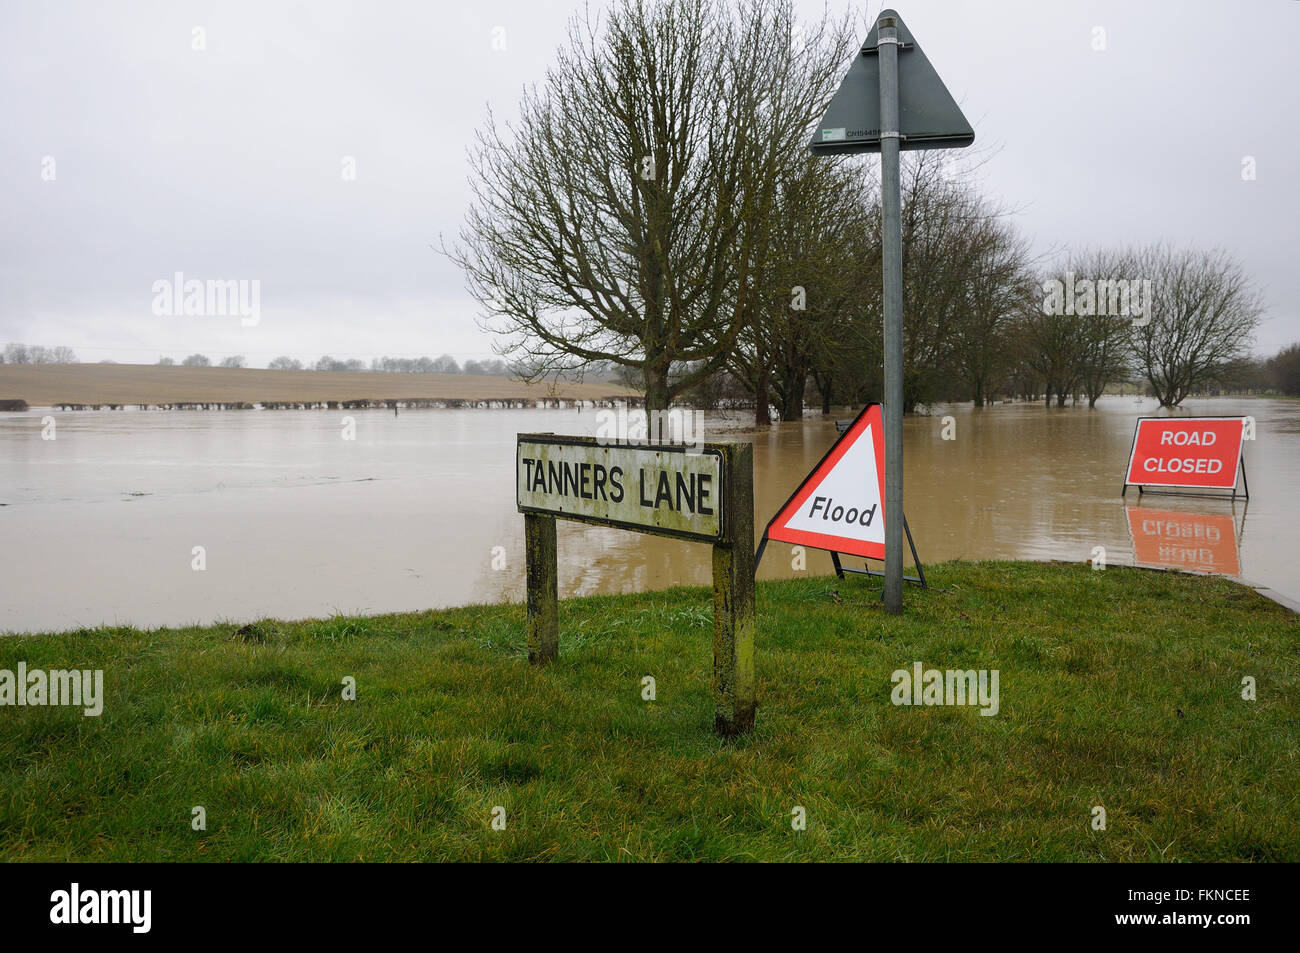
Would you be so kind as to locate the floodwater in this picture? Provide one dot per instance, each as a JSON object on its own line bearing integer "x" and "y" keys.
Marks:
{"x": 102, "y": 524}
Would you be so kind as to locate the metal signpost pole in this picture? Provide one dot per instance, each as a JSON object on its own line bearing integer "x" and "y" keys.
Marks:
{"x": 891, "y": 100}
{"x": 892, "y": 240}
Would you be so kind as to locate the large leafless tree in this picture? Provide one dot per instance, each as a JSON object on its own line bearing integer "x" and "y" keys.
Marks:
{"x": 1103, "y": 350}
{"x": 812, "y": 272}
{"x": 1204, "y": 313}
{"x": 621, "y": 219}
{"x": 964, "y": 269}
{"x": 998, "y": 292}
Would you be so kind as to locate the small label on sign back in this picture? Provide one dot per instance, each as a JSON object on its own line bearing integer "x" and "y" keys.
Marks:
{"x": 832, "y": 135}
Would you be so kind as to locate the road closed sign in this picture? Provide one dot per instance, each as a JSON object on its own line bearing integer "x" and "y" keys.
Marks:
{"x": 840, "y": 506}
{"x": 1188, "y": 452}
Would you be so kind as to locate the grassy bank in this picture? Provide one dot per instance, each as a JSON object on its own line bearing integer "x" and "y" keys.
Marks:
{"x": 1119, "y": 688}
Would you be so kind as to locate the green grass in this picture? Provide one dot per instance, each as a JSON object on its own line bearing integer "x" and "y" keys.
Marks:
{"x": 1118, "y": 688}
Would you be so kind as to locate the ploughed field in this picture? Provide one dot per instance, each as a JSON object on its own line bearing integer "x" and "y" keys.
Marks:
{"x": 1119, "y": 689}
{"x": 46, "y": 385}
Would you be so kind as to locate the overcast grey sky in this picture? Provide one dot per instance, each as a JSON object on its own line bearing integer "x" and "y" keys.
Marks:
{"x": 227, "y": 161}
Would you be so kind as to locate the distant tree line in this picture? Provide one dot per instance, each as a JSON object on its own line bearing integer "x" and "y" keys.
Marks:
{"x": 1281, "y": 372}
{"x": 35, "y": 354}
{"x": 655, "y": 215}
{"x": 440, "y": 365}
{"x": 446, "y": 364}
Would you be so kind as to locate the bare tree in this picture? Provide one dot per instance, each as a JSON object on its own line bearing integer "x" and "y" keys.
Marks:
{"x": 1053, "y": 346}
{"x": 494, "y": 367}
{"x": 998, "y": 293}
{"x": 234, "y": 360}
{"x": 1078, "y": 341}
{"x": 284, "y": 363}
{"x": 811, "y": 271}
{"x": 196, "y": 360}
{"x": 1204, "y": 313}
{"x": 965, "y": 285}
{"x": 963, "y": 268}
{"x": 803, "y": 207}
{"x": 608, "y": 225}
{"x": 1104, "y": 353}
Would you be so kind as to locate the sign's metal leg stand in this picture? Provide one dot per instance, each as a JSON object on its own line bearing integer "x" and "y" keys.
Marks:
{"x": 920, "y": 570}
{"x": 919, "y": 578}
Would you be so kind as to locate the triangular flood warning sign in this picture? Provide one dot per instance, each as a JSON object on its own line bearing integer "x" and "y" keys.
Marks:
{"x": 840, "y": 506}
{"x": 928, "y": 116}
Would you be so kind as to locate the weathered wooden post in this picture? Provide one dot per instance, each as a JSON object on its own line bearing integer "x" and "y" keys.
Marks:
{"x": 704, "y": 494}
{"x": 733, "y": 598}
{"x": 540, "y": 555}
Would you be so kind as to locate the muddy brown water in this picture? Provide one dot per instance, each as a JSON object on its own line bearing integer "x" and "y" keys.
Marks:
{"x": 100, "y": 525}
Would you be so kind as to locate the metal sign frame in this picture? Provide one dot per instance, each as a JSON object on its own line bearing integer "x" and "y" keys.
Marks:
{"x": 1170, "y": 489}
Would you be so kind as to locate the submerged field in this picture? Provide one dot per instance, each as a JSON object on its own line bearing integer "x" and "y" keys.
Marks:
{"x": 1120, "y": 689}
{"x": 45, "y": 385}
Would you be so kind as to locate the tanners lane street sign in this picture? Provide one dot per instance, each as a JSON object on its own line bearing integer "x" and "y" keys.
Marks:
{"x": 701, "y": 495}
{"x": 663, "y": 490}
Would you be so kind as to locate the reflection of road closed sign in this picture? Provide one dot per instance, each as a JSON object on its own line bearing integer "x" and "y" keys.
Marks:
{"x": 1193, "y": 452}
{"x": 840, "y": 506}
{"x": 1198, "y": 542}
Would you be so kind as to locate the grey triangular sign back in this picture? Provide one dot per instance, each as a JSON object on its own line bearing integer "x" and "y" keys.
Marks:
{"x": 928, "y": 116}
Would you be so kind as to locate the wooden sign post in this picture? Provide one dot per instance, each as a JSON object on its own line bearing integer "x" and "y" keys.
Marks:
{"x": 704, "y": 495}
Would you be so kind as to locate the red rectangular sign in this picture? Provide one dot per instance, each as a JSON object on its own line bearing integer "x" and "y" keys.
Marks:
{"x": 1199, "y": 452}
